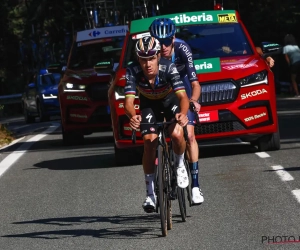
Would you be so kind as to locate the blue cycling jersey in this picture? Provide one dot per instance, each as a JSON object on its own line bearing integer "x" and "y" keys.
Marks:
{"x": 183, "y": 59}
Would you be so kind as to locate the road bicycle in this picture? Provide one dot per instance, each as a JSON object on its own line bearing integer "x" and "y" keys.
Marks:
{"x": 165, "y": 176}
{"x": 180, "y": 192}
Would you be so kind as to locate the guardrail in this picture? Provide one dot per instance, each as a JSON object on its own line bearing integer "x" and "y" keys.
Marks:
{"x": 10, "y": 99}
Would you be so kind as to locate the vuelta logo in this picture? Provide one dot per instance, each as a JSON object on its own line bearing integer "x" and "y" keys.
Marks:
{"x": 253, "y": 93}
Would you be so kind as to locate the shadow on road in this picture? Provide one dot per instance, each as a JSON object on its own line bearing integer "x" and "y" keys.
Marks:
{"x": 132, "y": 226}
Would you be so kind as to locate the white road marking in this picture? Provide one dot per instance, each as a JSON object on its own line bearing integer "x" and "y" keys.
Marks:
{"x": 296, "y": 193}
{"x": 282, "y": 173}
{"x": 9, "y": 160}
{"x": 262, "y": 154}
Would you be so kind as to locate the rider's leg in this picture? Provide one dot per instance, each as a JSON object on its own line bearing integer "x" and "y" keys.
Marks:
{"x": 150, "y": 143}
{"x": 179, "y": 144}
{"x": 192, "y": 155}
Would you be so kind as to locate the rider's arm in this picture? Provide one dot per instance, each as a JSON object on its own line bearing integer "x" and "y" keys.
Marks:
{"x": 130, "y": 91}
{"x": 187, "y": 58}
{"x": 178, "y": 87}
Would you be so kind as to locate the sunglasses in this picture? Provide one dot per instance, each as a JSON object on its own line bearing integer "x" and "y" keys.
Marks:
{"x": 167, "y": 41}
{"x": 143, "y": 54}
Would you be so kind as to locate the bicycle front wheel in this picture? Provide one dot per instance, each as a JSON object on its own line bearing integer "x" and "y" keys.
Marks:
{"x": 162, "y": 196}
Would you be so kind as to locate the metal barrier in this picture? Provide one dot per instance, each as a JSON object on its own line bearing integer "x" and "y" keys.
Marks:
{"x": 10, "y": 99}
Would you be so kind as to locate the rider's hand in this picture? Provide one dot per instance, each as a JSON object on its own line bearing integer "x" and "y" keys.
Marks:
{"x": 181, "y": 119}
{"x": 135, "y": 122}
{"x": 270, "y": 61}
{"x": 197, "y": 106}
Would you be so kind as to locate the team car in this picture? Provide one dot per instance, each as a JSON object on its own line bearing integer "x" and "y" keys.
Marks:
{"x": 39, "y": 98}
{"x": 238, "y": 91}
{"x": 82, "y": 91}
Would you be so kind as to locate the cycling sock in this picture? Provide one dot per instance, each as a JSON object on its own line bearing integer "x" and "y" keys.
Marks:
{"x": 179, "y": 160}
{"x": 149, "y": 179}
{"x": 194, "y": 172}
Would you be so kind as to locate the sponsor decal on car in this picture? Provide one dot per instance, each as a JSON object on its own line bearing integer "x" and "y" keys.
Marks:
{"x": 241, "y": 66}
{"x": 253, "y": 93}
{"x": 76, "y": 98}
{"x": 207, "y": 65}
{"x": 78, "y": 116}
{"x": 254, "y": 117}
{"x": 209, "y": 116}
{"x": 227, "y": 18}
{"x": 191, "y": 18}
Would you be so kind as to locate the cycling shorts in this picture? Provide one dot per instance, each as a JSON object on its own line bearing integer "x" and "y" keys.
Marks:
{"x": 156, "y": 110}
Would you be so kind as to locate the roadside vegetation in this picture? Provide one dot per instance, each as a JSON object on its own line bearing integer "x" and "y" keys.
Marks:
{"x": 6, "y": 136}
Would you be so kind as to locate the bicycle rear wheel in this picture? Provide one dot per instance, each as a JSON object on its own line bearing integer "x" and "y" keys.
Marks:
{"x": 182, "y": 204}
{"x": 162, "y": 196}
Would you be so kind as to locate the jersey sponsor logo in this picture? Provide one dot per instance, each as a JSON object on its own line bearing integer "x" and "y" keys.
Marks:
{"x": 149, "y": 117}
{"x": 174, "y": 108}
{"x": 162, "y": 68}
{"x": 121, "y": 105}
{"x": 227, "y": 18}
{"x": 76, "y": 98}
{"x": 253, "y": 93}
{"x": 174, "y": 71}
{"x": 188, "y": 54}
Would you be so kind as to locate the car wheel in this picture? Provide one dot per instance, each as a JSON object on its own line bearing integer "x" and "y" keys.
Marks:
{"x": 269, "y": 142}
{"x": 42, "y": 116}
{"x": 28, "y": 118}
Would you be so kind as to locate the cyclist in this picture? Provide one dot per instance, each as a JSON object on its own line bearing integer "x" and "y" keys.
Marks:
{"x": 160, "y": 89}
{"x": 179, "y": 52}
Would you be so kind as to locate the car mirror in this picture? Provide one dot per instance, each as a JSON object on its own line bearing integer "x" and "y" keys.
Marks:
{"x": 104, "y": 66}
{"x": 269, "y": 48}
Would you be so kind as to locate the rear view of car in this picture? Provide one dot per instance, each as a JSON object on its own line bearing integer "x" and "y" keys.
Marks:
{"x": 82, "y": 91}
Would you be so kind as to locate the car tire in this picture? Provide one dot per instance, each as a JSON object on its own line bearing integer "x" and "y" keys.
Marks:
{"x": 42, "y": 116}
{"x": 28, "y": 118}
{"x": 269, "y": 142}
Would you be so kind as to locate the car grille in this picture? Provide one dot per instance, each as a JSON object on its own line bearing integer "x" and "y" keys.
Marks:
{"x": 218, "y": 127}
{"x": 216, "y": 93}
{"x": 98, "y": 91}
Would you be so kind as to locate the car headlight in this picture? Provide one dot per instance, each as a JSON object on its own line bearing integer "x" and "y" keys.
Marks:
{"x": 49, "y": 96}
{"x": 254, "y": 79}
{"x": 119, "y": 92}
{"x": 74, "y": 87}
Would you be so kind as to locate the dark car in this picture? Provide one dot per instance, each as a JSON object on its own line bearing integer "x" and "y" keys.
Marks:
{"x": 40, "y": 97}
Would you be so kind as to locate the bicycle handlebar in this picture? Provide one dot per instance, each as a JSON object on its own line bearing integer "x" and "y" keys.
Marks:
{"x": 160, "y": 124}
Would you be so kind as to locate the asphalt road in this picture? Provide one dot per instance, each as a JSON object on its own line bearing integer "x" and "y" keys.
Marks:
{"x": 57, "y": 197}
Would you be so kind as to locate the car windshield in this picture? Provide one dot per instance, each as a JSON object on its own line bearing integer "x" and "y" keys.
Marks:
{"x": 47, "y": 80}
{"x": 87, "y": 54}
{"x": 208, "y": 41}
